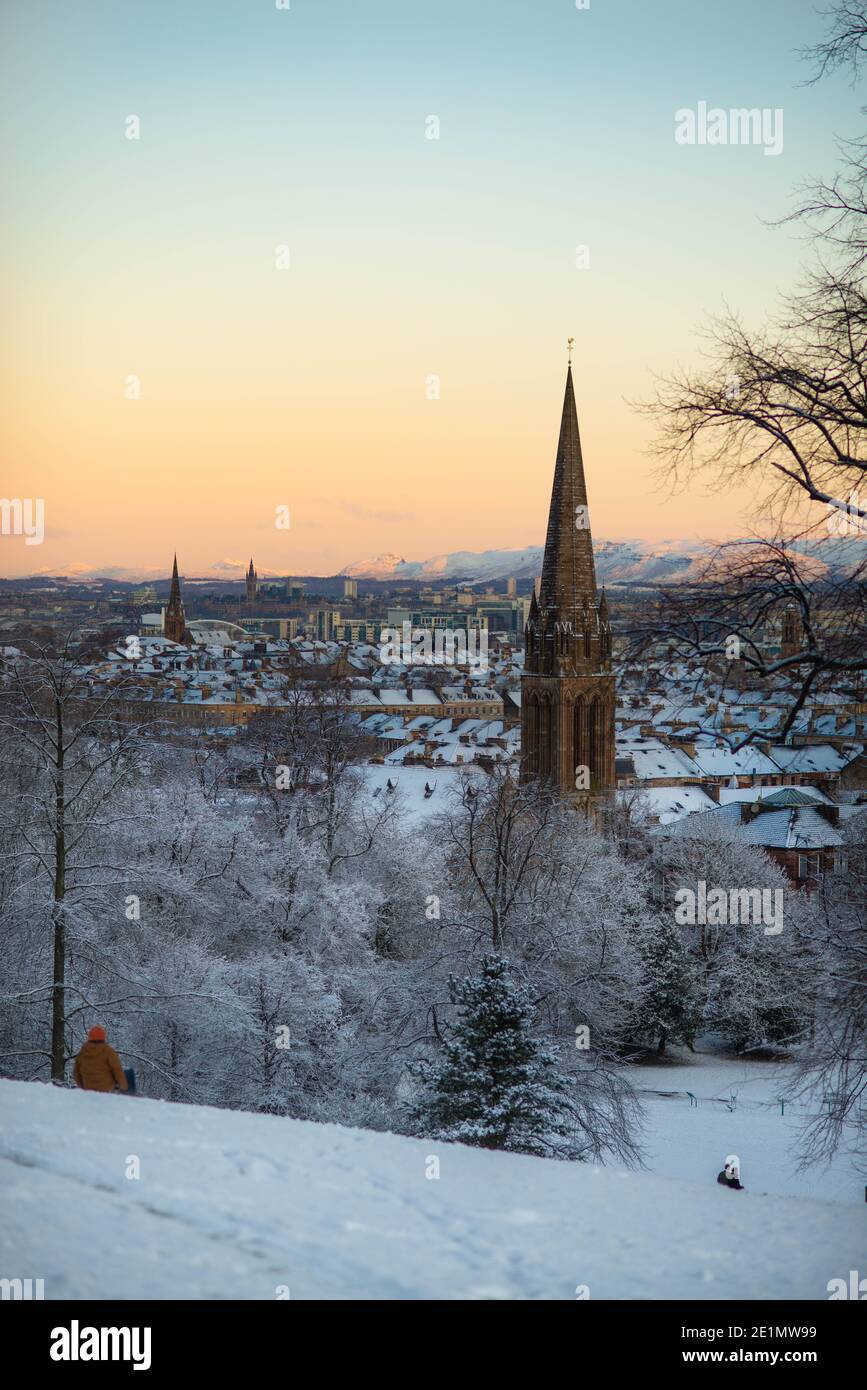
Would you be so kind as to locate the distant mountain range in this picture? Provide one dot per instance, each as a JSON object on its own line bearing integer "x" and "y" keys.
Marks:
{"x": 617, "y": 562}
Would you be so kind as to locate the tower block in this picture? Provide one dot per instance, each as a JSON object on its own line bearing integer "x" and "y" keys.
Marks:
{"x": 567, "y": 690}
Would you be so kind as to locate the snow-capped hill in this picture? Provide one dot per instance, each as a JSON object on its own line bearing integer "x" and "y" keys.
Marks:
{"x": 617, "y": 562}
{"x": 385, "y": 566}
{"x": 634, "y": 561}
{"x": 226, "y": 1204}
{"x": 646, "y": 562}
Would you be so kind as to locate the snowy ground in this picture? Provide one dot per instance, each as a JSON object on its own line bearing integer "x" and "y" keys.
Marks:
{"x": 235, "y": 1205}
{"x": 691, "y": 1142}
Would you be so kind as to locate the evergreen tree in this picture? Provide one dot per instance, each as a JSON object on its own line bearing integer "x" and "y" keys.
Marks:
{"x": 668, "y": 1009}
{"x": 497, "y": 1086}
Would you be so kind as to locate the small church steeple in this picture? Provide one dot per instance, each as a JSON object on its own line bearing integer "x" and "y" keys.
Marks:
{"x": 252, "y": 583}
{"x": 175, "y": 623}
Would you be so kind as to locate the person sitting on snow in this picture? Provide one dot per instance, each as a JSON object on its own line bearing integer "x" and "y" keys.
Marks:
{"x": 731, "y": 1173}
{"x": 97, "y": 1066}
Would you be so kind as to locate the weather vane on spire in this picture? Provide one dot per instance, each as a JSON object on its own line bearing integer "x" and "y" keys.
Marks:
{"x": 569, "y": 342}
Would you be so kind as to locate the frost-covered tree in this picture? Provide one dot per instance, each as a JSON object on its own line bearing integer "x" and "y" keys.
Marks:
{"x": 751, "y": 982}
{"x": 69, "y": 755}
{"x": 832, "y": 1062}
{"x": 523, "y": 873}
{"x": 306, "y": 751}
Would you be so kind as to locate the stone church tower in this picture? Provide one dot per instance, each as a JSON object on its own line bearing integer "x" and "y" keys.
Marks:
{"x": 567, "y": 690}
{"x": 791, "y": 636}
{"x": 175, "y": 623}
{"x": 252, "y": 583}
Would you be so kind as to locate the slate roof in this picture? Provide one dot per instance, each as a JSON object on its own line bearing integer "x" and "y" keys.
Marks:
{"x": 798, "y": 827}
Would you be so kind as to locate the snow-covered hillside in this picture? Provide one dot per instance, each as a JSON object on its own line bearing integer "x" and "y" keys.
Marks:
{"x": 236, "y": 1205}
{"x": 617, "y": 562}
{"x": 736, "y": 1110}
{"x": 638, "y": 561}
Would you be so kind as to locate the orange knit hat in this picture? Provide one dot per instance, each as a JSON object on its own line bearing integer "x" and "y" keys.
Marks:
{"x": 97, "y": 1034}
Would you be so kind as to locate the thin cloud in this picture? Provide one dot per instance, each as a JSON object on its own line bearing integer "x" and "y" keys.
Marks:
{"x": 365, "y": 514}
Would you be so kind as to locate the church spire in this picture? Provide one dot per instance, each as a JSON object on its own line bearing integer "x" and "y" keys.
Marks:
{"x": 174, "y": 623}
{"x": 568, "y": 571}
{"x": 572, "y": 632}
{"x": 567, "y": 687}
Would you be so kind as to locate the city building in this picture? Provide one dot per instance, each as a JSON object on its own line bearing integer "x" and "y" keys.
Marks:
{"x": 504, "y": 615}
{"x": 326, "y": 621}
{"x": 284, "y": 628}
{"x": 430, "y": 619}
{"x": 357, "y": 629}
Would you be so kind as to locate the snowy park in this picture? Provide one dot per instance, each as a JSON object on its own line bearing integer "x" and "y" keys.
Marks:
{"x": 484, "y": 920}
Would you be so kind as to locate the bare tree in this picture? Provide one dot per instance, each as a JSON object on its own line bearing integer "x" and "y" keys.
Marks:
{"x": 783, "y": 409}
{"x": 728, "y": 623}
{"x": 500, "y": 847}
{"x": 834, "y": 210}
{"x": 845, "y": 44}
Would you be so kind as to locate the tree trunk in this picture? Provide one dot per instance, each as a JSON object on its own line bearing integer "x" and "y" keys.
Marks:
{"x": 58, "y": 994}
{"x": 496, "y": 931}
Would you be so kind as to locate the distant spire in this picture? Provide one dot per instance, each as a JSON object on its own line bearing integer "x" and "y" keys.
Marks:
{"x": 568, "y": 571}
{"x": 175, "y": 624}
{"x": 175, "y": 591}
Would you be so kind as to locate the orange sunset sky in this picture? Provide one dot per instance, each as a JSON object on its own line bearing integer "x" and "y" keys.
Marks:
{"x": 307, "y": 386}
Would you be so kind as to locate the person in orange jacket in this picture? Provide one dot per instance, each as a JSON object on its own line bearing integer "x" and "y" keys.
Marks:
{"x": 97, "y": 1066}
